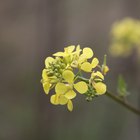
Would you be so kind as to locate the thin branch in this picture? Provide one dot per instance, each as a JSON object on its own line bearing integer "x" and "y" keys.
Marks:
{"x": 117, "y": 99}
{"x": 123, "y": 103}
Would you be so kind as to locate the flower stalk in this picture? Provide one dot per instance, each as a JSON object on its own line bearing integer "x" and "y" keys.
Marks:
{"x": 117, "y": 99}
{"x": 123, "y": 103}
{"x": 64, "y": 71}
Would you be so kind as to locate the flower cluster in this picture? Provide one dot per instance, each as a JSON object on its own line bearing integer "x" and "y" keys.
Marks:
{"x": 125, "y": 36}
{"x": 63, "y": 72}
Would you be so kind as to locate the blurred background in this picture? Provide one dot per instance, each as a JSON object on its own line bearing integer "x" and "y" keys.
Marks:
{"x": 31, "y": 30}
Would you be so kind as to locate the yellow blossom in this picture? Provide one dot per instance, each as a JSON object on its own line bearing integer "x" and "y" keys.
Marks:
{"x": 48, "y": 60}
{"x": 45, "y": 81}
{"x": 97, "y": 75}
{"x": 65, "y": 92}
{"x": 105, "y": 69}
{"x": 70, "y": 105}
{"x": 81, "y": 87}
{"x": 67, "y": 51}
{"x": 82, "y": 61}
{"x": 63, "y": 72}
{"x": 125, "y": 37}
{"x": 100, "y": 88}
{"x": 94, "y": 62}
{"x": 88, "y": 52}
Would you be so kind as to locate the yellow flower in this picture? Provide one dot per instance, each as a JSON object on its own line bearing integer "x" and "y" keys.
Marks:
{"x": 81, "y": 86}
{"x": 67, "y": 54}
{"x": 96, "y": 80}
{"x": 77, "y": 52}
{"x": 94, "y": 62}
{"x": 100, "y": 88}
{"x": 82, "y": 62}
{"x": 48, "y": 61}
{"x": 59, "y": 73}
{"x": 70, "y": 105}
{"x": 67, "y": 51}
{"x": 88, "y": 52}
{"x": 75, "y": 58}
{"x": 105, "y": 69}
{"x": 125, "y": 37}
{"x": 87, "y": 67}
{"x": 62, "y": 100}
{"x": 97, "y": 75}
{"x": 65, "y": 92}
{"x": 45, "y": 81}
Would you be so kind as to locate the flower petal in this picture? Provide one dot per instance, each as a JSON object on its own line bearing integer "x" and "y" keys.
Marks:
{"x": 68, "y": 76}
{"x": 98, "y": 74}
{"x": 69, "y": 49}
{"x": 105, "y": 69}
{"x": 78, "y": 50}
{"x": 59, "y": 54}
{"x": 61, "y": 88}
{"x": 94, "y": 62}
{"x": 48, "y": 60}
{"x": 63, "y": 100}
{"x": 81, "y": 87}
{"x": 54, "y": 99}
{"x": 70, "y": 94}
{"x": 46, "y": 87}
{"x": 44, "y": 75}
{"x": 82, "y": 58}
{"x": 88, "y": 52}
{"x": 87, "y": 67}
{"x": 100, "y": 88}
{"x": 70, "y": 105}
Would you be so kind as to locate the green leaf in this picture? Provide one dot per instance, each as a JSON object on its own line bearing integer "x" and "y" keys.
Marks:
{"x": 122, "y": 86}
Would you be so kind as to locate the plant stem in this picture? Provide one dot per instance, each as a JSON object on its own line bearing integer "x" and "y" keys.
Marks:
{"x": 116, "y": 98}
{"x": 123, "y": 103}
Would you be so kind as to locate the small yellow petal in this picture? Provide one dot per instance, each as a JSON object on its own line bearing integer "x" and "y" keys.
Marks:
{"x": 74, "y": 64}
{"x": 54, "y": 99}
{"x": 70, "y": 94}
{"x": 63, "y": 100}
{"x": 88, "y": 52}
{"x": 105, "y": 69}
{"x": 59, "y": 54}
{"x": 68, "y": 76}
{"x": 78, "y": 50}
{"x": 61, "y": 88}
{"x": 44, "y": 75}
{"x": 81, "y": 87}
{"x": 100, "y": 88}
{"x": 87, "y": 67}
{"x": 46, "y": 87}
{"x": 48, "y": 60}
{"x": 94, "y": 62}
{"x": 82, "y": 59}
{"x": 100, "y": 75}
{"x": 70, "y": 105}
{"x": 69, "y": 49}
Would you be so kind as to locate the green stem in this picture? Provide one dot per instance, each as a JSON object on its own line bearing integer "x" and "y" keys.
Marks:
{"x": 104, "y": 63}
{"x": 123, "y": 103}
{"x": 117, "y": 99}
